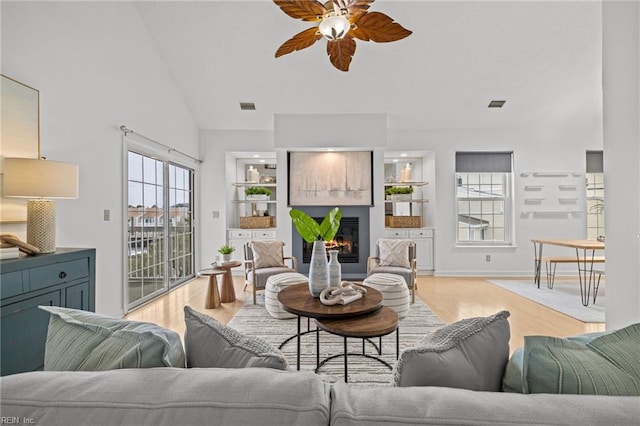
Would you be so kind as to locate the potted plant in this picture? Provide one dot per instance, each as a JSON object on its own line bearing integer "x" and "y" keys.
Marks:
{"x": 258, "y": 193}
{"x": 226, "y": 250}
{"x": 399, "y": 193}
{"x": 317, "y": 233}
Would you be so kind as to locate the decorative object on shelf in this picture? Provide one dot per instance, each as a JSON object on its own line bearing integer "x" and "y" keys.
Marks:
{"x": 43, "y": 180}
{"x": 405, "y": 173}
{"x": 399, "y": 193}
{"x": 335, "y": 269}
{"x": 258, "y": 193}
{"x": 403, "y": 221}
{"x": 317, "y": 233}
{"x": 252, "y": 175}
{"x": 340, "y": 22}
{"x": 344, "y": 293}
{"x": 257, "y": 222}
{"x": 226, "y": 250}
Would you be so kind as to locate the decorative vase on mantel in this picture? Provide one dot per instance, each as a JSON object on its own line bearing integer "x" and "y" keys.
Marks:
{"x": 318, "y": 270}
{"x": 335, "y": 269}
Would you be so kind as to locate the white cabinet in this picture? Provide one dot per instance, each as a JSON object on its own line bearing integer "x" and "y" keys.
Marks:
{"x": 423, "y": 238}
{"x": 239, "y": 237}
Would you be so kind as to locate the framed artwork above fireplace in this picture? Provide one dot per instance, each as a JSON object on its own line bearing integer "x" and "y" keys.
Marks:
{"x": 330, "y": 178}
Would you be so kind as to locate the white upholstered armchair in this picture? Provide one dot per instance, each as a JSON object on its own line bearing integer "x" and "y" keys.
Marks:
{"x": 263, "y": 259}
{"x": 396, "y": 256}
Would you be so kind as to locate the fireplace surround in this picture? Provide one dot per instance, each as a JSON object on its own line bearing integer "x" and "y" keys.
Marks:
{"x": 352, "y": 241}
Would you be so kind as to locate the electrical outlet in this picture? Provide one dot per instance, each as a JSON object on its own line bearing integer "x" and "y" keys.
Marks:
{"x": 488, "y": 258}
{"x": 107, "y": 215}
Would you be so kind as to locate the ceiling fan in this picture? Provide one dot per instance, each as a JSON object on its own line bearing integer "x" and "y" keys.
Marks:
{"x": 340, "y": 22}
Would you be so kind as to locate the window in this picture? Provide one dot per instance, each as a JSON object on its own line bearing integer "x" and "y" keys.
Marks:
{"x": 595, "y": 195}
{"x": 484, "y": 198}
{"x": 159, "y": 227}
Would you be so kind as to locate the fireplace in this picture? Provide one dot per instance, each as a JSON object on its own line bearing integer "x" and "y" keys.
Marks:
{"x": 352, "y": 241}
{"x": 346, "y": 242}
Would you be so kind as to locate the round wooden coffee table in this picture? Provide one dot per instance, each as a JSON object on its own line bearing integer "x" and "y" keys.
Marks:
{"x": 376, "y": 324}
{"x": 227, "y": 291}
{"x": 297, "y": 300}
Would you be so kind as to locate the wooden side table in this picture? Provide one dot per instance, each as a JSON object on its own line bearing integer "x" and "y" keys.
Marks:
{"x": 227, "y": 291}
{"x": 213, "y": 295}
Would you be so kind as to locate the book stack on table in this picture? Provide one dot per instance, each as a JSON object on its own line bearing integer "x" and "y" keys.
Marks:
{"x": 9, "y": 253}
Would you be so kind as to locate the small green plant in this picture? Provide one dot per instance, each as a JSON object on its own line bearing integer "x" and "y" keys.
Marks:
{"x": 225, "y": 249}
{"x": 257, "y": 190}
{"x": 393, "y": 190}
{"x": 310, "y": 230}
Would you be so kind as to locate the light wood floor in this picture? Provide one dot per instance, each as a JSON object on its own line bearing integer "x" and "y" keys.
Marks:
{"x": 451, "y": 298}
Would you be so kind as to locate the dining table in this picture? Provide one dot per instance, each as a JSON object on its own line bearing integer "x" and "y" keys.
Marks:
{"x": 585, "y": 257}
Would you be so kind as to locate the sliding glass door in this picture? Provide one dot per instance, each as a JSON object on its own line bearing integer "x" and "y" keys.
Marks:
{"x": 159, "y": 227}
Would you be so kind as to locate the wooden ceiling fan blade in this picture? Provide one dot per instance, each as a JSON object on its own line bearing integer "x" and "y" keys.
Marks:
{"x": 341, "y": 52}
{"x": 357, "y": 7}
{"x": 307, "y": 10}
{"x": 378, "y": 27}
{"x": 299, "y": 41}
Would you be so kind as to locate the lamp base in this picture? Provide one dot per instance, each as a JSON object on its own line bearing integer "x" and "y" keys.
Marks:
{"x": 41, "y": 225}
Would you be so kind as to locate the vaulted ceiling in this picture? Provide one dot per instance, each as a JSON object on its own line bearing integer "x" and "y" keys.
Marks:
{"x": 543, "y": 58}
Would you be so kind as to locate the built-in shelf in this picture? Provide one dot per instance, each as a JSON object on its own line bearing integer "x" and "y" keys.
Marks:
{"x": 550, "y": 174}
{"x": 266, "y": 185}
{"x": 406, "y": 201}
{"x": 568, "y": 187}
{"x": 533, "y": 187}
{"x": 255, "y": 201}
{"x": 533, "y": 200}
{"x": 407, "y": 183}
{"x": 568, "y": 200}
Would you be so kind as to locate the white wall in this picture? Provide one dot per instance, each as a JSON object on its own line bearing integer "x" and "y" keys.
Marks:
{"x": 96, "y": 68}
{"x": 621, "y": 85}
{"x": 536, "y": 149}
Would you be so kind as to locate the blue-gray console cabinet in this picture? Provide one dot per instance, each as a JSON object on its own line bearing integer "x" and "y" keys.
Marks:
{"x": 65, "y": 278}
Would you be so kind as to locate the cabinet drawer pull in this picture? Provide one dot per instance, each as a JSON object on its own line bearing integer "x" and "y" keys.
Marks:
{"x": 62, "y": 274}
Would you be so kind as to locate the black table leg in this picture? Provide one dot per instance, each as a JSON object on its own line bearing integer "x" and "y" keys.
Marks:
{"x": 298, "y": 346}
{"x": 346, "y": 376}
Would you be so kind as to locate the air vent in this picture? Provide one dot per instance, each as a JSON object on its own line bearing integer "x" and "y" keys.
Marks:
{"x": 247, "y": 106}
{"x": 496, "y": 104}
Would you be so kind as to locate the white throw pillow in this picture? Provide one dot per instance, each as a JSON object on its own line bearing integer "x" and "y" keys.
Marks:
{"x": 394, "y": 253}
{"x": 267, "y": 254}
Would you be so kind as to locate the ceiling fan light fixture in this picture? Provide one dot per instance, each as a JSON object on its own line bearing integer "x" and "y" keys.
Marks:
{"x": 334, "y": 27}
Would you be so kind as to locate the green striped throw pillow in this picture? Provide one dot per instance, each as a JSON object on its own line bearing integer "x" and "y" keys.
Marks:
{"x": 607, "y": 365}
{"x": 86, "y": 341}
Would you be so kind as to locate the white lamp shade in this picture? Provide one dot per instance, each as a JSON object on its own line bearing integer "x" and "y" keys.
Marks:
{"x": 334, "y": 27}
{"x": 31, "y": 178}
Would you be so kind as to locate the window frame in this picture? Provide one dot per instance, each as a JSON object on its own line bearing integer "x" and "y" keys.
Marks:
{"x": 507, "y": 198}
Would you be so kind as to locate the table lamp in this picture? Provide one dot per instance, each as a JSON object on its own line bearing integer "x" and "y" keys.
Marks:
{"x": 41, "y": 180}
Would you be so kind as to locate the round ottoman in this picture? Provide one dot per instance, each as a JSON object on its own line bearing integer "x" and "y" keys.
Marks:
{"x": 395, "y": 292}
{"x": 275, "y": 283}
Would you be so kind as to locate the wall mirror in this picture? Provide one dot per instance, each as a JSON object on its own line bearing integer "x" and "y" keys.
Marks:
{"x": 20, "y": 136}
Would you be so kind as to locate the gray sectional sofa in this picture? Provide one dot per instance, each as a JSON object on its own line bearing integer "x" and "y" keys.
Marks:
{"x": 105, "y": 371}
{"x": 263, "y": 396}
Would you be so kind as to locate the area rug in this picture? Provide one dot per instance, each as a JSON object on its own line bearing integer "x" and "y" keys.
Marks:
{"x": 254, "y": 320}
{"x": 564, "y": 297}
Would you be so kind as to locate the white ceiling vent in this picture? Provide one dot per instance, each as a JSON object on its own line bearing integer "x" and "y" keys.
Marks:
{"x": 247, "y": 106}
{"x": 496, "y": 104}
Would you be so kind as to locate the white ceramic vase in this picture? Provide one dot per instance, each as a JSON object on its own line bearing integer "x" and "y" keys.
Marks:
{"x": 318, "y": 270}
{"x": 335, "y": 269}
